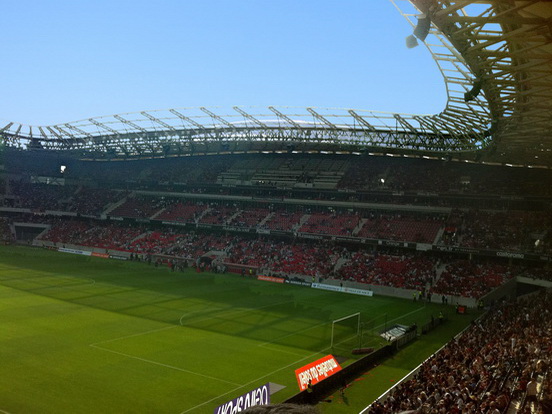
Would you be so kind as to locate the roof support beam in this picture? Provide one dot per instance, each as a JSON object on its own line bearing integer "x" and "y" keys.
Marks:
{"x": 130, "y": 123}
{"x": 250, "y": 117}
{"x": 158, "y": 121}
{"x": 8, "y": 126}
{"x": 218, "y": 118}
{"x": 362, "y": 121}
{"x": 321, "y": 118}
{"x": 284, "y": 117}
{"x": 189, "y": 120}
{"x": 103, "y": 126}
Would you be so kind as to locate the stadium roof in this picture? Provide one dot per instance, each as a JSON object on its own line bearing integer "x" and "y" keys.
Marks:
{"x": 495, "y": 57}
{"x": 507, "y": 46}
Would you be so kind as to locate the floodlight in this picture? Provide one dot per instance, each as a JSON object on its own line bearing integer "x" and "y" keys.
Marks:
{"x": 422, "y": 28}
{"x": 411, "y": 42}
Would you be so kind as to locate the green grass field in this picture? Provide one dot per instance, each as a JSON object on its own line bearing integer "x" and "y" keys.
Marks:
{"x": 88, "y": 335}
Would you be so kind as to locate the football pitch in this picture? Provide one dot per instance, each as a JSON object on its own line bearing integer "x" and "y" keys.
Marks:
{"x": 89, "y": 335}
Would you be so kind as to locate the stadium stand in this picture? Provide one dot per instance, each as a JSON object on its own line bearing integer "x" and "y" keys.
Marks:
{"x": 338, "y": 234}
{"x": 405, "y": 271}
{"x": 183, "y": 212}
{"x": 93, "y": 201}
{"x": 341, "y": 224}
{"x": 137, "y": 207}
{"x": 486, "y": 369}
{"x": 282, "y": 221}
{"x": 400, "y": 227}
{"x": 6, "y": 235}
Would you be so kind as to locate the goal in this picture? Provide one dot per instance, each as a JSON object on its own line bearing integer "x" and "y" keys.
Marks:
{"x": 346, "y": 332}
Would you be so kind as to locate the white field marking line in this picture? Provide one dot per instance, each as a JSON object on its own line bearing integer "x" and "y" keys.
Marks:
{"x": 71, "y": 286}
{"x": 93, "y": 281}
{"x": 255, "y": 380}
{"x": 324, "y": 323}
{"x": 291, "y": 334}
{"x": 242, "y": 310}
{"x": 4, "y": 412}
{"x": 399, "y": 317}
{"x": 281, "y": 350}
{"x": 279, "y": 369}
{"x": 134, "y": 335}
{"x": 166, "y": 365}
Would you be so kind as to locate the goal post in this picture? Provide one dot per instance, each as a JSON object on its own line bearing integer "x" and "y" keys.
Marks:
{"x": 345, "y": 330}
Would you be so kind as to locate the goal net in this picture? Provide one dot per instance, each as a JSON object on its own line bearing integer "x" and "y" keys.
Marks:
{"x": 346, "y": 332}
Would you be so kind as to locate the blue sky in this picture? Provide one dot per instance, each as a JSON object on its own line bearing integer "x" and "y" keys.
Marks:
{"x": 68, "y": 60}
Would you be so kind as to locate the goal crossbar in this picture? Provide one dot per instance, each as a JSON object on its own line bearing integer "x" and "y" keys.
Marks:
{"x": 351, "y": 316}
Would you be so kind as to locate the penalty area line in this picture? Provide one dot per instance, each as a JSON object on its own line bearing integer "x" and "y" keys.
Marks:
{"x": 255, "y": 380}
{"x": 293, "y": 333}
{"x": 149, "y": 361}
{"x": 399, "y": 317}
{"x": 237, "y": 311}
{"x": 281, "y": 350}
{"x": 165, "y": 328}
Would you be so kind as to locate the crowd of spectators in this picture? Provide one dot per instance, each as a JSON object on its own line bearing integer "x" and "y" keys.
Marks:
{"x": 508, "y": 229}
{"x": 105, "y": 236}
{"x": 487, "y": 368}
{"x": 282, "y": 220}
{"x": 335, "y": 223}
{"x": 401, "y": 227}
{"x": 367, "y": 173}
{"x": 38, "y": 196}
{"x": 67, "y": 232}
{"x": 93, "y": 201}
{"x": 433, "y": 176}
{"x": 512, "y": 230}
{"x": 6, "y": 235}
{"x": 536, "y": 273}
{"x": 218, "y": 214}
{"x": 463, "y": 278}
{"x": 182, "y": 211}
{"x": 408, "y": 271}
{"x": 138, "y": 207}
{"x": 249, "y": 218}
{"x": 471, "y": 279}
{"x": 320, "y": 260}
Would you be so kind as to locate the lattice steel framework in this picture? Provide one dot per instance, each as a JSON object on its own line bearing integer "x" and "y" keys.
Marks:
{"x": 507, "y": 47}
{"x": 495, "y": 63}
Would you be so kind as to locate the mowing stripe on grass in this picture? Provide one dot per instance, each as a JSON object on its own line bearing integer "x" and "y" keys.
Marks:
{"x": 134, "y": 335}
{"x": 293, "y": 333}
{"x": 256, "y": 380}
{"x": 281, "y": 350}
{"x": 239, "y": 311}
{"x": 402, "y": 316}
{"x": 165, "y": 365}
{"x": 36, "y": 280}
{"x": 71, "y": 286}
